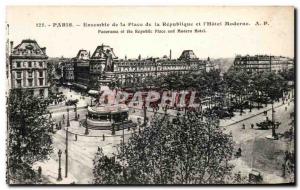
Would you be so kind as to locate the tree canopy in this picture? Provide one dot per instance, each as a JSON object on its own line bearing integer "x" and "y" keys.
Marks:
{"x": 185, "y": 150}
{"x": 29, "y": 134}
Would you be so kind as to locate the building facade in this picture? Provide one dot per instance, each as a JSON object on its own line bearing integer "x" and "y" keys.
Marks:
{"x": 81, "y": 65}
{"x": 68, "y": 72}
{"x": 128, "y": 71}
{"x": 90, "y": 72}
{"x": 259, "y": 63}
{"x": 28, "y": 68}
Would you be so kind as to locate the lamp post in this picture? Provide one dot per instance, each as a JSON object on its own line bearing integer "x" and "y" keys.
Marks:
{"x": 75, "y": 109}
{"x": 68, "y": 119}
{"x": 66, "y": 152}
{"x": 145, "y": 112}
{"x": 86, "y": 125}
{"x": 59, "y": 178}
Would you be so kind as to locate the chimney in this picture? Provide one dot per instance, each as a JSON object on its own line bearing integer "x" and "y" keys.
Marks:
{"x": 44, "y": 50}
{"x": 140, "y": 57}
{"x": 11, "y": 46}
{"x": 170, "y": 54}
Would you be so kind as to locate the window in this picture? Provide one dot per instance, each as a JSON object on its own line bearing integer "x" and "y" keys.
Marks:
{"x": 19, "y": 82}
{"x": 41, "y": 73}
{"x": 18, "y": 75}
{"x": 29, "y": 74}
{"x": 41, "y": 64}
{"x": 29, "y": 64}
{"x": 42, "y": 92}
{"x": 18, "y": 64}
{"x": 30, "y": 82}
{"x": 41, "y": 81}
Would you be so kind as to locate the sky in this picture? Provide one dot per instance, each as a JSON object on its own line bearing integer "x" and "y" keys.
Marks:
{"x": 276, "y": 38}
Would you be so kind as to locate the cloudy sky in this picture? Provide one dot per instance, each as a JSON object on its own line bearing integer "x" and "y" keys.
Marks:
{"x": 276, "y": 38}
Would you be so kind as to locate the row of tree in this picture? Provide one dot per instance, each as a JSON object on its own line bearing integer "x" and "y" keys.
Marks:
{"x": 236, "y": 86}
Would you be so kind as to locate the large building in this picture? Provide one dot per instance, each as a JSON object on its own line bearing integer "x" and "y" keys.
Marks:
{"x": 68, "y": 72}
{"x": 260, "y": 63}
{"x": 129, "y": 71}
{"x": 28, "y": 67}
{"x": 104, "y": 66}
{"x": 81, "y": 65}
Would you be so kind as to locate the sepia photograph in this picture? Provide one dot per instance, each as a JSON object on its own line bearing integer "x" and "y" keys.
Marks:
{"x": 150, "y": 95}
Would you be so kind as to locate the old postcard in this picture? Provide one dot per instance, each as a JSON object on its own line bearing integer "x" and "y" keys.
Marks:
{"x": 150, "y": 95}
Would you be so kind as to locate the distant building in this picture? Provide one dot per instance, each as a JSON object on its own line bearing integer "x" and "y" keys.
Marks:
{"x": 260, "y": 63}
{"x": 68, "y": 72}
{"x": 104, "y": 66}
{"x": 129, "y": 71}
{"x": 81, "y": 65}
{"x": 102, "y": 60}
{"x": 28, "y": 67}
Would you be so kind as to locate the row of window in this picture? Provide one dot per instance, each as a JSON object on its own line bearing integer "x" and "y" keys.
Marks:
{"x": 29, "y": 82}
{"x": 30, "y": 74}
{"x": 41, "y": 92}
{"x": 29, "y": 64}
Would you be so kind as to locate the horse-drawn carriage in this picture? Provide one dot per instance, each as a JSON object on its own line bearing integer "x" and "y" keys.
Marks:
{"x": 265, "y": 125}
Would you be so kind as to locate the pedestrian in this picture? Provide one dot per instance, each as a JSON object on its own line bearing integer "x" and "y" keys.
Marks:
{"x": 243, "y": 127}
{"x": 252, "y": 125}
{"x": 103, "y": 136}
{"x": 63, "y": 116}
{"x": 240, "y": 151}
{"x": 40, "y": 172}
{"x": 283, "y": 170}
{"x": 75, "y": 137}
{"x": 78, "y": 116}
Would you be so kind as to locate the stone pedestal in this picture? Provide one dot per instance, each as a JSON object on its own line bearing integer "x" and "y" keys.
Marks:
{"x": 106, "y": 78}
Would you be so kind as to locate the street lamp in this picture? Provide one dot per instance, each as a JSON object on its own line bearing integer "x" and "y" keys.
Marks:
{"x": 59, "y": 178}
{"x": 66, "y": 152}
{"x": 86, "y": 126}
{"x": 75, "y": 109}
{"x": 68, "y": 121}
{"x": 145, "y": 112}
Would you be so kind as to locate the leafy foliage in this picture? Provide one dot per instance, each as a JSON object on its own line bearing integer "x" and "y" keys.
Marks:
{"x": 183, "y": 151}
{"x": 29, "y": 138}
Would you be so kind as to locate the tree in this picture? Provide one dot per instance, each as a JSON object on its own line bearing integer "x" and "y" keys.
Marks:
{"x": 29, "y": 135}
{"x": 182, "y": 151}
{"x": 106, "y": 170}
{"x": 273, "y": 87}
{"x": 238, "y": 86}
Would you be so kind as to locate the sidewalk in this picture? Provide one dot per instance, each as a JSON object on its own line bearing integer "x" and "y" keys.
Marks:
{"x": 239, "y": 118}
{"x": 50, "y": 170}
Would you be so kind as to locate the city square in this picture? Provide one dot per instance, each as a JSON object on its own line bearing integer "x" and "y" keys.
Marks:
{"x": 184, "y": 108}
